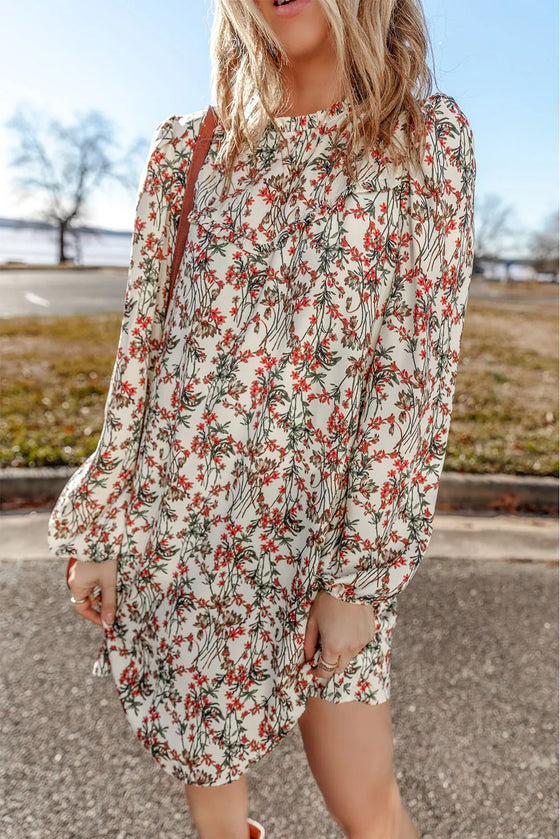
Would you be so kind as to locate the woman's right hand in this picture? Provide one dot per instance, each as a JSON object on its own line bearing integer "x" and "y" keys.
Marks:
{"x": 83, "y": 578}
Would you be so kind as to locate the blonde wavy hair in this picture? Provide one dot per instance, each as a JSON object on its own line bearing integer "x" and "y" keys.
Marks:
{"x": 381, "y": 48}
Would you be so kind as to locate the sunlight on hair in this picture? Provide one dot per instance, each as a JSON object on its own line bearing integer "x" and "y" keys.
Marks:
{"x": 381, "y": 50}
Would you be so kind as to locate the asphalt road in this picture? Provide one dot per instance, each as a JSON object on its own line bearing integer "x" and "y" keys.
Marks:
{"x": 63, "y": 292}
{"x": 98, "y": 290}
{"x": 474, "y": 703}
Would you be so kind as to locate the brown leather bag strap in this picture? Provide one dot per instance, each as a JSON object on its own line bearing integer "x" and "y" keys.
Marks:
{"x": 199, "y": 153}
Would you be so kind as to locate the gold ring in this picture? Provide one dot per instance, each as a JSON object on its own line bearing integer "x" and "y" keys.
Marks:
{"x": 325, "y": 664}
{"x": 73, "y": 600}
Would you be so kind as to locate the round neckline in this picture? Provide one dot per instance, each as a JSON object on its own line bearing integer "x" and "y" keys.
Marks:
{"x": 323, "y": 116}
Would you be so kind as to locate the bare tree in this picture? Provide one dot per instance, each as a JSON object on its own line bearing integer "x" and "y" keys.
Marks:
{"x": 543, "y": 246}
{"x": 494, "y": 229}
{"x": 65, "y": 164}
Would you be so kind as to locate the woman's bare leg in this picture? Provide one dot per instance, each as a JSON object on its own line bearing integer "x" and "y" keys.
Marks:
{"x": 219, "y": 812}
{"x": 349, "y": 747}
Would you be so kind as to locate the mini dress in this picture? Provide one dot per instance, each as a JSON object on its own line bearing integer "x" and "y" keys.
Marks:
{"x": 282, "y": 431}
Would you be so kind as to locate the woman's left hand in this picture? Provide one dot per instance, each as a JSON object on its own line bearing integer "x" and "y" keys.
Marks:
{"x": 344, "y": 629}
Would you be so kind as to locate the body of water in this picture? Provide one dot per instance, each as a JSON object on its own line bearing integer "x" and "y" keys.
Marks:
{"x": 39, "y": 247}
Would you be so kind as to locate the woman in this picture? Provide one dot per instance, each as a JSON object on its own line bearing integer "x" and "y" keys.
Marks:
{"x": 266, "y": 476}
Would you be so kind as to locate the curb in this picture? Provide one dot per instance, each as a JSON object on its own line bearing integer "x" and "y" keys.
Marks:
{"x": 458, "y": 491}
{"x": 34, "y": 484}
{"x": 474, "y": 493}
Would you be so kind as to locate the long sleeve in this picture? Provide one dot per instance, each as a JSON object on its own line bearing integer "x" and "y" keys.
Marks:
{"x": 399, "y": 450}
{"x": 89, "y": 517}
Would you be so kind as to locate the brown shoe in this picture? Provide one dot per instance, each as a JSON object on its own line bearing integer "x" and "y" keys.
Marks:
{"x": 256, "y": 830}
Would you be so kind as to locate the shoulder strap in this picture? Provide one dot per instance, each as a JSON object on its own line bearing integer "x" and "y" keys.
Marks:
{"x": 199, "y": 153}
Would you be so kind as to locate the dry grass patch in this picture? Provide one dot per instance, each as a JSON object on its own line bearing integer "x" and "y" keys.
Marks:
{"x": 56, "y": 373}
{"x": 505, "y": 415}
{"x": 55, "y": 376}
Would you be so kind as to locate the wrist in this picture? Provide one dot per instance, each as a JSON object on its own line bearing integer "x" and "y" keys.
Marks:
{"x": 347, "y": 592}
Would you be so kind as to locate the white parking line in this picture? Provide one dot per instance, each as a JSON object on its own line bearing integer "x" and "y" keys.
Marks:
{"x": 36, "y": 300}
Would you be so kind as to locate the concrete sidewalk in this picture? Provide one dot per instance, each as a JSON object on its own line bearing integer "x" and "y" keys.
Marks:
{"x": 474, "y": 702}
{"x": 489, "y": 536}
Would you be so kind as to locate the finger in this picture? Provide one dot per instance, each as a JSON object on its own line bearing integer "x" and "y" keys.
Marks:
{"x": 70, "y": 570}
{"x": 343, "y": 663}
{"x": 108, "y": 602}
{"x": 86, "y": 610}
{"x": 80, "y": 593}
{"x": 320, "y": 672}
{"x": 83, "y": 609}
{"x": 330, "y": 657}
{"x": 311, "y": 637}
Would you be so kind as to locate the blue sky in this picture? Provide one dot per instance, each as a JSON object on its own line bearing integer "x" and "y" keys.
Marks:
{"x": 141, "y": 62}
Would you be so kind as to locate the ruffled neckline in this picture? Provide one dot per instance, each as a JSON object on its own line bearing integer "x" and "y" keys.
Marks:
{"x": 325, "y": 117}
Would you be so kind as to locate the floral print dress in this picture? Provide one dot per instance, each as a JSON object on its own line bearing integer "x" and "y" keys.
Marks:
{"x": 282, "y": 431}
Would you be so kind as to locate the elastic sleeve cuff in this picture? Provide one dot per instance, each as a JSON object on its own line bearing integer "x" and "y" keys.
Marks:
{"x": 347, "y": 591}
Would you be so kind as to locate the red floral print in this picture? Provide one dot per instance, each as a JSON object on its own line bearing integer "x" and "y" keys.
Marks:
{"x": 283, "y": 431}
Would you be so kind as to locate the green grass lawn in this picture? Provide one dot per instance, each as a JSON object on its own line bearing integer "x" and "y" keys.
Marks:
{"x": 56, "y": 372}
